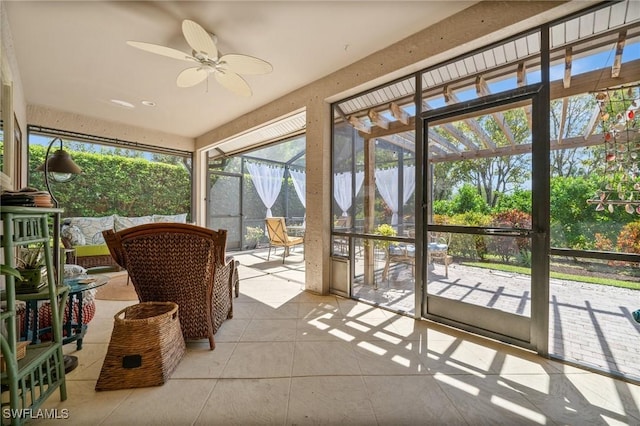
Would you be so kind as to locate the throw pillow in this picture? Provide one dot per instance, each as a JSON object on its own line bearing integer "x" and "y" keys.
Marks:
{"x": 123, "y": 222}
{"x": 92, "y": 227}
{"x": 180, "y": 218}
{"x": 73, "y": 234}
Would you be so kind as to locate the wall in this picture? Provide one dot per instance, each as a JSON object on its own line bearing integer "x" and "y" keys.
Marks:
{"x": 62, "y": 120}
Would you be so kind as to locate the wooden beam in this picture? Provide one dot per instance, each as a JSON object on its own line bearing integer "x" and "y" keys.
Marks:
{"x": 617, "y": 61}
{"x": 451, "y": 98}
{"x": 378, "y": 119}
{"x": 459, "y": 136}
{"x": 399, "y": 141}
{"x": 575, "y": 142}
{"x": 439, "y": 140}
{"x": 398, "y": 113}
{"x": 566, "y": 81}
{"x": 482, "y": 89}
{"x": 359, "y": 124}
{"x": 580, "y": 84}
{"x": 563, "y": 118}
{"x": 394, "y": 127}
{"x": 521, "y": 74}
{"x": 593, "y": 122}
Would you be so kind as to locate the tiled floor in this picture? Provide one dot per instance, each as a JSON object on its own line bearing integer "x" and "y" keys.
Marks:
{"x": 289, "y": 358}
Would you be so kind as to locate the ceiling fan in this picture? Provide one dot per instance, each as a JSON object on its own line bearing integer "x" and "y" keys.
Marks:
{"x": 225, "y": 68}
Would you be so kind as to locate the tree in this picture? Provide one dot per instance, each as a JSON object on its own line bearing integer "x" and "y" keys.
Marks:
{"x": 496, "y": 174}
{"x": 573, "y": 161}
{"x": 467, "y": 200}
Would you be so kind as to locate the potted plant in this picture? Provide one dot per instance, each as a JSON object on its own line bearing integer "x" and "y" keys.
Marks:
{"x": 387, "y": 231}
{"x": 30, "y": 264}
{"x": 253, "y": 236}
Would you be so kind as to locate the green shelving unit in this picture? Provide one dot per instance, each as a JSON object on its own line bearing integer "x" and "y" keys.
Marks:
{"x": 34, "y": 378}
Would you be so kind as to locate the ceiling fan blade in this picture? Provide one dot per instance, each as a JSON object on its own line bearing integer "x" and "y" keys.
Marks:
{"x": 191, "y": 76}
{"x": 161, "y": 50}
{"x": 199, "y": 39}
{"x": 245, "y": 64}
{"x": 233, "y": 82}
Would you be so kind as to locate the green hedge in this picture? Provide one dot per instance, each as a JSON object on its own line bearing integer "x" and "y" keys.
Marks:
{"x": 111, "y": 184}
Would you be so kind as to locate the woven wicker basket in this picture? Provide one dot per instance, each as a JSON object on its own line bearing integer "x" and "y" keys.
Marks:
{"x": 21, "y": 352}
{"x": 145, "y": 348}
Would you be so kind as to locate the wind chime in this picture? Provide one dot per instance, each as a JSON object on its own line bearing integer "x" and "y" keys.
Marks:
{"x": 621, "y": 129}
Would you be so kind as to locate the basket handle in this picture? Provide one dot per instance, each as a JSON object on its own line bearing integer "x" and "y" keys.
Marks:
{"x": 119, "y": 314}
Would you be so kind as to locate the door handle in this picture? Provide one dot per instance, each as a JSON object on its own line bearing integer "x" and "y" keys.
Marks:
{"x": 510, "y": 232}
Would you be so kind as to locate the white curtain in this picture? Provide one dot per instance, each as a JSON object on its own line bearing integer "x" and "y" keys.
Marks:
{"x": 408, "y": 183}
{"x": 300, "y": 184}
{"x": 387, "y": 183}
{"x": 342, "y": 189}
{"x": 268, "y": 181}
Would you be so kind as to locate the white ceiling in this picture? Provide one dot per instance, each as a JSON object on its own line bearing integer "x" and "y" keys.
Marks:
{"x": 72, "y": 55}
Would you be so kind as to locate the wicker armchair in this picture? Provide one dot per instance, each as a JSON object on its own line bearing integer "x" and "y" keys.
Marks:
{"x": 180, "y": 263}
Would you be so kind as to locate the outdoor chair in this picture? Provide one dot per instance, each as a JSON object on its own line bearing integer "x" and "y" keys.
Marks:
{"x": 180, "y": 263}
{"x": 400, "y": 253}
{"x": 278, "y": 236}
{"x": 438, "y": 249}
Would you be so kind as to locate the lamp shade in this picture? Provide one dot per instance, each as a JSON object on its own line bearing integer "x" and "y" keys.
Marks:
{"x": 58, "y": 167}
{"x": 61, "y": 166}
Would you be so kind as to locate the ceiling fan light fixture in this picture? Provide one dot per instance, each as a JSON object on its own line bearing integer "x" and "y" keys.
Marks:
{"x": 226, "y": 68}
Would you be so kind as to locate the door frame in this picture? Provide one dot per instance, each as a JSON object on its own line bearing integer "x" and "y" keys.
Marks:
{"x": 531, "y": 333}
{"x": 239, "y": 216}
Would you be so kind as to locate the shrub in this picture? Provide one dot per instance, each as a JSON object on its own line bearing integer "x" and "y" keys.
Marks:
{"x": 629, "y": 238}
{"x": 507, "y": 247}
{"x": 467, "y": 245}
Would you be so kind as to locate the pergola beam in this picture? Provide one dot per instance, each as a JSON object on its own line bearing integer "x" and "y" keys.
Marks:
{"x": 377, "y": 119}
{"x": 521, "y": 78}
{"x": 398, "y": 113}
{"x": 400, "y": 142}
{"x": 457, "y": 134}
{"x": 450, "y": 98}
{"x": 482, "y": 89}
{"x": 575, "y": 142}
{"x": 565, "y": 88}
{"x": 568, "y": 61}
{"x": 617, "y": 61}
{"x": 359, "y": 125}
{"x": 563, "y": 118}
{"x": 439, "y": 140}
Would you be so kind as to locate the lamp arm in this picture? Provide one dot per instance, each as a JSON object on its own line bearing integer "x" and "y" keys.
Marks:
{"x": 46, "y": 171}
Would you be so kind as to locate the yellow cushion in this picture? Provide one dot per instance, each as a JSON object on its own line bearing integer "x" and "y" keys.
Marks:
{"x": 94, "y": 250}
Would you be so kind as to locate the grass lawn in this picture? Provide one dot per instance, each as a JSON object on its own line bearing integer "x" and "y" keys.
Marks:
{"x": 570, "y": 277}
